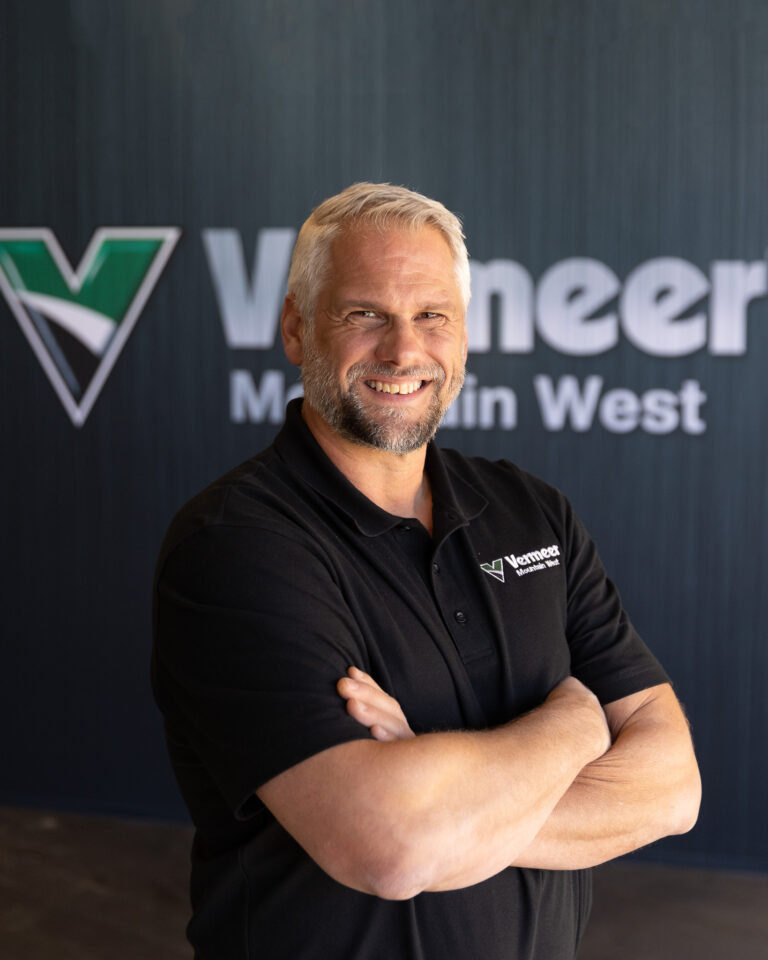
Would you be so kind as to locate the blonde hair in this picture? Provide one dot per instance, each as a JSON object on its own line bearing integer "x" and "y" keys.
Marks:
{"x": 381, "y": 206}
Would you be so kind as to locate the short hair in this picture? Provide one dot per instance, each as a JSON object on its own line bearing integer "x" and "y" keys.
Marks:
{"x": 380, "y": 205}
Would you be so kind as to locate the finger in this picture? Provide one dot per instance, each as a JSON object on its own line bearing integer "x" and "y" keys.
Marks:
{"x": 357, "y": 674}
{"x": 364, "y": 713}
{"x": 375, "y": 706}
{"x": 360, "y": 711}
{"x": 381, "y": 733}
{"x": 361, "y": 687}
{"x": 394, "y": 726}
{"x": 374, "y": 696}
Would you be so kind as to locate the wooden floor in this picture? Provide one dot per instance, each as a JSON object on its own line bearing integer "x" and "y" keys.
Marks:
{"x": 86, "y": 888}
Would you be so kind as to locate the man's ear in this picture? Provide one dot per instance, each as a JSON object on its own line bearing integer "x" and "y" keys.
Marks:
{"x": 292, "y": 330}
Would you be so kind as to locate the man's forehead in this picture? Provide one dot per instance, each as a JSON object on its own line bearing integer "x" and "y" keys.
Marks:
{"x": 369, "y": 238}
{"x": 416, "y": 255}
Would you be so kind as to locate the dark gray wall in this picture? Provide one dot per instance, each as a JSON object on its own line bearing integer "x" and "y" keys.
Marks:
{"x": 620, "y": 132}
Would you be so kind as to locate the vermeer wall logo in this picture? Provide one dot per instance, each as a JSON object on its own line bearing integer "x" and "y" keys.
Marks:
{"x": 77, "y": 322}
{"x": 665, "y": 307}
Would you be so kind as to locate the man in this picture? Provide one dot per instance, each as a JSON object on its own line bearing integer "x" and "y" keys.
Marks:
{"x": 386, "y": 751}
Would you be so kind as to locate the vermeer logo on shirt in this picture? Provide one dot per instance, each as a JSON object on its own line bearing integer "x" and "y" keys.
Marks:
{"x": 525, "y": 562}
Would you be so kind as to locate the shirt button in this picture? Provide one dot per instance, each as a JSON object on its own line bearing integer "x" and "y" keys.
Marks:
{"x": 460, "y": 616}
{"x": 436, "y": 567}
{"x": 405, "y": 526}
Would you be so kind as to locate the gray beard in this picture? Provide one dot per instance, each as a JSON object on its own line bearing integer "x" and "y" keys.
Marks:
{"x": 390, "y": 429}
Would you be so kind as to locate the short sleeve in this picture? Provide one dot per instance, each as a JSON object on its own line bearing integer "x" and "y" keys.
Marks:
{"x": 251, "y": 636}
{"x": 607, "y": 654}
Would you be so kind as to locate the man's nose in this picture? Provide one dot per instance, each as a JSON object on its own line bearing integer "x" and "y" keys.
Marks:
{"x": 400, "y": 343}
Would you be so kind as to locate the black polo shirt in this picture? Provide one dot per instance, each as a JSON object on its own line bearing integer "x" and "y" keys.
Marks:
{"x": 280, "y": 575}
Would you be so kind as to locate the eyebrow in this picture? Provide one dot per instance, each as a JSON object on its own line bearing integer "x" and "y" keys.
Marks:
{"x": 431, "y": 306}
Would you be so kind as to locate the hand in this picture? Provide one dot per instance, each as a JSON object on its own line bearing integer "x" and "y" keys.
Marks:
{"x": 372, "y": 707}
{"x": 583, "y": 707}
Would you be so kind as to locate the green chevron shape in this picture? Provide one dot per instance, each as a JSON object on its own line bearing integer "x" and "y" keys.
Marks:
{"x": 78, "y": 321}
{"x": 109, "y": 286}
{"x": 495, "y": 569}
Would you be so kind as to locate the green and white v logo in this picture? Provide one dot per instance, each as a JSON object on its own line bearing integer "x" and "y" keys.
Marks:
{"x": 495, "y": 569}
{"x": 78, "y": 322}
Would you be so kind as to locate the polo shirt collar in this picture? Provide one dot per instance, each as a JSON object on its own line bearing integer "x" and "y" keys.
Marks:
{"x": 455, "y": 502}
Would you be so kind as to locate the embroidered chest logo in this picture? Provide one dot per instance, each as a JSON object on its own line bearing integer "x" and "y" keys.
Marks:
{"x": 524, "y": 563}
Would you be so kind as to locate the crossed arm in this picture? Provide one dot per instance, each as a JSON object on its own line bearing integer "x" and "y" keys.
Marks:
{"x": 568, "y": 785}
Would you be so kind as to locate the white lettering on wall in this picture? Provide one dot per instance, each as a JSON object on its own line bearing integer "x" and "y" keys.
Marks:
{"x": 262, "y": 404}
{"x": 655, "y": 294}
{"x": 734, "y": 284}
{"x": 569, "y": 293}
{"x": 512, "y": 287}
{"x": 485, "y": 408}
{"x": 654, "y": 299}
{"x": 655, "y": 309}
{"x": 249, "y": 308}
{"x": 567, "y": 403}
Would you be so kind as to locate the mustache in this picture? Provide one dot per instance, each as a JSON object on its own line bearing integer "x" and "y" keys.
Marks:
{"x": 370, "y": 371}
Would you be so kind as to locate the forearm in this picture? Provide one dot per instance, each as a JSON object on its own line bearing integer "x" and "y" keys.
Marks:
{"x": 438, "y": 811}
{"x": 486, "y": 799}
{"x": 645, "y": 787}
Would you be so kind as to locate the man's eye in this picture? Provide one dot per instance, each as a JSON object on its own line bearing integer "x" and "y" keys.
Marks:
{"x": 367, "y": 318}
{"x": 428, "y": 317}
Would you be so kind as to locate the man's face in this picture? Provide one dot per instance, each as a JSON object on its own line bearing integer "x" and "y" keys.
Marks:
{"x": 384, "y": 357}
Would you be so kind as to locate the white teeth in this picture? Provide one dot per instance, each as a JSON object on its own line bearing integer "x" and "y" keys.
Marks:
{"x": 401, "y": 388}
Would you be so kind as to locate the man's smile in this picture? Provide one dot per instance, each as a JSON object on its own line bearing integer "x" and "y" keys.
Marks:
{"x": 404, "y": 387}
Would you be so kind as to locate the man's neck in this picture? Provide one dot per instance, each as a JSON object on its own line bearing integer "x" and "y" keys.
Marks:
{"x": 395, "y": 482}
